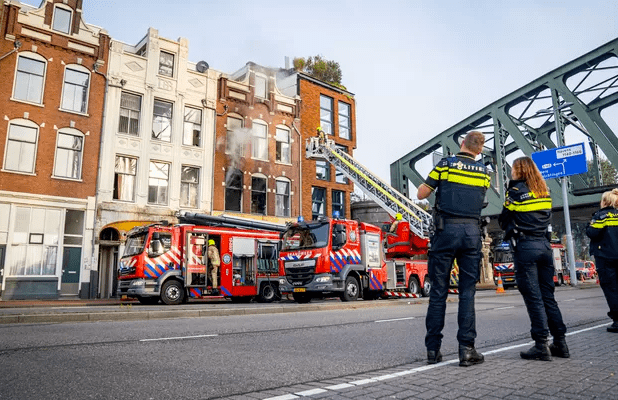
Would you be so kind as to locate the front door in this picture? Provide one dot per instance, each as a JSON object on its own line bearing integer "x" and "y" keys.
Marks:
{"x": 2, "y": 252}
{"x": 71, "y": 263}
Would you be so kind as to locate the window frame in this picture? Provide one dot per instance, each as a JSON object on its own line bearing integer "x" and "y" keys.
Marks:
{"x": 340, "y": 206}
{"x": 24, "y": 124}
{"x": 158, "y": 187}
{"x": 346, "y": 117}
{"x": 159, "y": 72}
{"x": 154, "y": 117}
{"x": 133, "y": 186}
{"x": 81, "y": 70}
{"x": 286, "y": 196}
{"x": 322, "y": 203}
{"x": 190, "y": 185}
{"x": 193, "y": 124}
{"x": 33, "y": 57}
{"x": 345, "y": 180}
{"x": 236, "y": 172}
{"x": 255, "y": 139}
{"x": 327, "y": 125}
{"x": 326, "y": 166}
{"x": 255, "y": 193}
{"x": 264, "y": 86}
{"x": 279, "y": 145}
{"x": 240, "y": 149}
{"x": 75, "y": 133}
{"x": 53, "y": 24}
{"x": 139, "y": 114}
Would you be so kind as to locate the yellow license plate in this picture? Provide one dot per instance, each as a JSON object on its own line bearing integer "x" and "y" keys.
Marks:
{"x": 300, "y": 289}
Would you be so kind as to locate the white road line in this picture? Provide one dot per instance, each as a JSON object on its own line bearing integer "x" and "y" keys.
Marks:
{"x": 177, "y": 338}
{"x": 409, "y": 371}
{"x": 394, "y": 319}
{"x": 504, "y": 308}
{"x": 564, "y": 301}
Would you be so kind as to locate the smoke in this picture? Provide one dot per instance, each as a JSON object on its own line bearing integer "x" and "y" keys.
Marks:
{"x": 236, "y": 148}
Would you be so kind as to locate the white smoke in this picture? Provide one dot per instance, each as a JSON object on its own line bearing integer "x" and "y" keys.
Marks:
{"x": 236, "y": 148}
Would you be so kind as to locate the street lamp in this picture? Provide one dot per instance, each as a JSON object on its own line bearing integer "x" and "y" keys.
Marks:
{"x": 565, "y": 200}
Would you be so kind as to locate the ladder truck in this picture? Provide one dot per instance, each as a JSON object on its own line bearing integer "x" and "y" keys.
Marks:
{"x": 350, "y": 259}
{"x": 168, "y": 263}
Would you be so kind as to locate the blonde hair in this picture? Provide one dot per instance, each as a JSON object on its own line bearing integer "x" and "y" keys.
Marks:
{"x": 610, "y": 199}
{"x": 526, "y": 169}
{"x": 474, "y": 141}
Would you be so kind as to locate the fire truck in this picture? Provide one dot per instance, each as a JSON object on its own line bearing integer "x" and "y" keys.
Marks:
{"x": 504, "y": 267}
{"x": 168, "y": 263}
{"x": 351, "y": 259}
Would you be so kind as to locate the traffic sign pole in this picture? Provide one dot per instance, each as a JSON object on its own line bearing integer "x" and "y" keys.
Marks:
{"x": 569, "y": 235}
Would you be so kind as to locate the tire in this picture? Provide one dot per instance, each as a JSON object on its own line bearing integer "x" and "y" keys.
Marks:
{"x": 351, "y": 290}
{"x": 148, "y": 301}
{"x": 172, "y": 292}
{"x": 413, "y": 286}
{"x": 301, "y": 298}
{"x": 268, "y": 293}
{"x": 426, "y": 289}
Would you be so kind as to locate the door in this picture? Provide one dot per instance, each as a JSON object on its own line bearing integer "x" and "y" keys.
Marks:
{"x": 108, "y": 271}
{"x": 2, "y": 252}
{"x": 71, "y": 263}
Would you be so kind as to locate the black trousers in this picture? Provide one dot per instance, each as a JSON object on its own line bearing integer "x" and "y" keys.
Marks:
{"x": 608, "y": 278}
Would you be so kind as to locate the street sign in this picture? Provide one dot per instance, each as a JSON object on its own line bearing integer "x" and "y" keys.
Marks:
{"x": 561, "y": 161}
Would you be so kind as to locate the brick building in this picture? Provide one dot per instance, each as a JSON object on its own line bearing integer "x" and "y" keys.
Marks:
{"x": 325, "y": 189}
{"x": 158, "y": 142}
{"x": 257, "y": 169}
{"x": 52, "y": 65}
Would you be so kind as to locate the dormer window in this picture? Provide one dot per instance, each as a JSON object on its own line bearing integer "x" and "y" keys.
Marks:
{"x": 62, "y": 20}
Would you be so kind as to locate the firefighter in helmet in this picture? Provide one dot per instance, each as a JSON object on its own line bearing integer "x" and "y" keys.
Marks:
{"x": 214, "y": 261}
{"x": 321, "y": 136}
{"x": 398, "y": 218}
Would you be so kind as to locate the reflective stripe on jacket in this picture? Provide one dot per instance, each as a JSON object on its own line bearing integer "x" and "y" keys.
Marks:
{"x": 603, "y": 233}
{"x": 524, "y": 212}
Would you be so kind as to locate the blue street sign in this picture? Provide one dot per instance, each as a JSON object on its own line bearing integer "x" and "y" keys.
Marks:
{"x": 561, "y": 161}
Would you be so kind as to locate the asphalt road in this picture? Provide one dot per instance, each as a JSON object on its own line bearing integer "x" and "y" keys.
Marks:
{"x": 203, "y": 358}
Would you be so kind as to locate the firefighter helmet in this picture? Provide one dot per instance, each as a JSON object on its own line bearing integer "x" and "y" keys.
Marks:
{"x": 211, "y": 242}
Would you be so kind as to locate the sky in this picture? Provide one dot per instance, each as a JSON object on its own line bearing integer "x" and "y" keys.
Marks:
{"x": 416, "y": 67}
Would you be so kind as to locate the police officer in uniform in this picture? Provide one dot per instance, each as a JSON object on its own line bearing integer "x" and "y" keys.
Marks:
{"x": 525, "y": 219}
{"x": 460, "y": 183}
{"x": 603, "y": 234}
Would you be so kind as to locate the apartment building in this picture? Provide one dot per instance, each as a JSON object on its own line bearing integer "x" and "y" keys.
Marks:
{"x": 157, "y": 145}
{"x": 53, "y": 67}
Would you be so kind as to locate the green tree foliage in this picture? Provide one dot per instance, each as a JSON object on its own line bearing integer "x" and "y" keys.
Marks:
{"x": 609, "y": 174}
{"x": 325, "y": 70}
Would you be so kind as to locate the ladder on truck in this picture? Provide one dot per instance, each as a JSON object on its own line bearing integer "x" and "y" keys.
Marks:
{"x": 385, "y": 195}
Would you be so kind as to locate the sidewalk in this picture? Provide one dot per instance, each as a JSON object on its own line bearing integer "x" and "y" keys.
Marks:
{"x": 590, "y": 373}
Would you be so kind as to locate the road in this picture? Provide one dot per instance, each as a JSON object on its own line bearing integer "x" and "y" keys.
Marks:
{"x": 204, "y": 358}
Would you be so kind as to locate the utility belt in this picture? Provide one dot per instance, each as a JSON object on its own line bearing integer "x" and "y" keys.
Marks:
{"x": 441, "y": 220}
{"x": 448, "y": 220}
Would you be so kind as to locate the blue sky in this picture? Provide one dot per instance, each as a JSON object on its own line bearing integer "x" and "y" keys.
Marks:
{"x": 416, "y": 67}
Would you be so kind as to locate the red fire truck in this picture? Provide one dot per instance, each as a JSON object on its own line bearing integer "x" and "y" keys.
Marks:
{"x": 168, "y": 263}
{"x": 350, "y": 259}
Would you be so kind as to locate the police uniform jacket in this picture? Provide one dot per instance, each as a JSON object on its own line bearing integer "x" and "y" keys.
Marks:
{"x": 461, "y": 183}
{"x": 603, "y": 233}
{"x": 524, "y": 213}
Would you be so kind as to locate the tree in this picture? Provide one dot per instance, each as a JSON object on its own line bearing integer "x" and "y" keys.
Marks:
{"x": 325, "y": 70}
{"x": 608, "y": 173}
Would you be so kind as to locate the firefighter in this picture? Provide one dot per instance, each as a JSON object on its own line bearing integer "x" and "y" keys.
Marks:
{"x": 215, "y": 262}
{"x": 321, "y": 136}
{"x": 398, "y": 218}
{"x": 460, "y": 183}
{"x": 603, "y": 234}
{"x": 525, "y": 219}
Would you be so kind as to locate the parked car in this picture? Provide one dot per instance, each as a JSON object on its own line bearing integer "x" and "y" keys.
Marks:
{"x": 585, "y": 269}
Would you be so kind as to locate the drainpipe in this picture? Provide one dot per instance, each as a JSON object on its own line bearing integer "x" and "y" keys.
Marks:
{"x": 300, "y": 171}
{"x": 214, "y": 151}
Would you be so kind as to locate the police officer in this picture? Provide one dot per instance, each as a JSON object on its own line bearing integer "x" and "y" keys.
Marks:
{"x": 603, "y": 234}
{"x": 525, "y": 219}
{"x": 460, "y": 183}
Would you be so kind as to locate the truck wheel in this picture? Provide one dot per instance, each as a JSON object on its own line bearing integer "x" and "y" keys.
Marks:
{"x": 268, "y": 293}
{"x": 172, "y": 292}
{"x": 426, "y": 287}
{"x": 148, "y": 301}
{"x": 351, "y": 289}
{"x": 301, "y": 298}
{"x": 413, "y": 286}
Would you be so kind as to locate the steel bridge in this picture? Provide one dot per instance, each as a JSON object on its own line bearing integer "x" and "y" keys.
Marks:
{"x": 578, "y": 95}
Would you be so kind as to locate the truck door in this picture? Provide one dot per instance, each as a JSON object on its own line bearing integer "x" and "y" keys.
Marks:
{"x": 195, "y": 260}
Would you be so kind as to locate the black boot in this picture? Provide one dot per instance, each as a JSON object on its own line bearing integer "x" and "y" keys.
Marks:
{"x": 613, "y": 327}
{"x": 540, "y": 351}
{"x": 469, "y": 356}
{"x": 559, "y": 347}
{"x": 434, "y": 356}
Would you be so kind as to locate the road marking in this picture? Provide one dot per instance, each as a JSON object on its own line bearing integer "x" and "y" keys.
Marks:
{"x": 504, "y": 308}
{"x": 394, "y": 319}
{"x": 564, "y": 301}
{"x": 177, "y": 338}
{"x": 350, "y": 384}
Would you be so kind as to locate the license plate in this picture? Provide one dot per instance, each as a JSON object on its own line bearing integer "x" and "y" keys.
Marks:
{"x": 299, "y": 289}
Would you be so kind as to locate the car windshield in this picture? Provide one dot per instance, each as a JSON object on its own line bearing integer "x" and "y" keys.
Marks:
{"x": 503, "y": 256}
{"x": 135, "y": 244}
{"x": 306, "y": 236}
{"x": 579, "y": 264}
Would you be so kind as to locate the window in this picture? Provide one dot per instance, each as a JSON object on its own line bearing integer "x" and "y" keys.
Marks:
{"x": 73, "y": 227}
{"x": 283, "y": 146}
{"x": 189, "y": 186}
{"x": 162, "y": 121}
{"x": 259, "y": 141}
{"x": 29, "y": 80}
{"x": 322, "y": 170}
{"x": 75, "y": 90}
{"x": 130, "y": 107}
{"x": 318, "y": 202}
{"x": 338, "y": 202}
{"x": 192, "y": 133}
{"x": 233, "y": 191}
{"x": 158, "y": 183}
{"x": 282, "y": 200}
{"x": 125, "y": 173}
{"x": 326, "y": 114}
{"x": 21, "y": 148}
{"x": 69, "y": 155}
{"x": 260, "y": 86}
{"x": 339, "y": 176}
{"x": 258, "y": 195}
{"x": 166, "y": 64}
{"x": 235, "y": 141}
{"x": 62, "y": 20}
{"x": 344, "y": 121}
